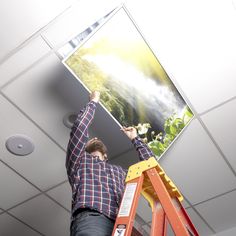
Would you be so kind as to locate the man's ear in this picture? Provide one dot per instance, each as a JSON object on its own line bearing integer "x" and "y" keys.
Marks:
{"x": 105, "y": 156}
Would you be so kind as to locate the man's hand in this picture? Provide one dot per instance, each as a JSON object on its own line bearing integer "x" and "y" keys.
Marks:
{"x": 95, "y": 96}
{"x": 131, "y": 132}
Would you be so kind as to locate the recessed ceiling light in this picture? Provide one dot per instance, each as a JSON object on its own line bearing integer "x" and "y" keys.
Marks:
{"x": 19, "y": 145}
{"x": 69, "y": 119}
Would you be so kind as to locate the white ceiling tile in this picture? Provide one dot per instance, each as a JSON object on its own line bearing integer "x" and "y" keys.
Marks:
{"x": 220, "y": 212}
{"x": 44, "y": 215}
{"x": 198, "y": 52}
{"x": 228, "y": 232}
{"x": 15, "y": 189}
{"x": 78, "y": 19}
{"x": 138, "y": 227}
{"x": 169, "y": 230}
{"x": 147, "y": 229}
{"x": 23, "y": 59}
{"x": 199, "y": 224}
{"x": 138, "y": 222}
{"x": 222, "y": 126}
{"x": 23, "y": 18}
{"x": 45, "y": 166}
{"x": 126, "y": 159}
{"x": 193, "y": 163}
{"x": 10, "y": 226}
{"x": 144, "y": 210}
{"x": 62, "y": 194}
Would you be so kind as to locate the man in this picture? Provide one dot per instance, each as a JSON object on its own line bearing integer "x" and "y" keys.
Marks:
{"x": 97, "y": 186}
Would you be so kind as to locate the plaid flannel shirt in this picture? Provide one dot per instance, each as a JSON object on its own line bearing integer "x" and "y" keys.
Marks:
{"x": 95, "y": 184}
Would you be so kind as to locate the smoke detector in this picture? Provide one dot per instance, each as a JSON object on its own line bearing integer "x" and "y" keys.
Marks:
{"x": 20, "y": 145}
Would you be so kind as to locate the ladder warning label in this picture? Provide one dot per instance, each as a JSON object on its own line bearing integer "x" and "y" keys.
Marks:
{"x": 127, "y": 199}
{"x": 120, "y": 230}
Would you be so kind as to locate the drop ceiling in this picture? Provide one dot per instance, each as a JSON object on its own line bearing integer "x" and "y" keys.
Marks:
{"x": 195, "y": 43}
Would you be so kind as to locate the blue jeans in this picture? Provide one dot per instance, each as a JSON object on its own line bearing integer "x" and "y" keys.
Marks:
{"x": 91, "y": 223}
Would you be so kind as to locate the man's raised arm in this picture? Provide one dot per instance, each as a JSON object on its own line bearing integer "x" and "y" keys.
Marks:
{"x": 143, "y": 150}
{"x": 79, "y": 133}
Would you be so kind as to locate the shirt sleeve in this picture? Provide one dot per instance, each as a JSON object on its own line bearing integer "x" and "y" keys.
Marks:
{"x": 79, "y": 137}
{"x": 143, "y": 150}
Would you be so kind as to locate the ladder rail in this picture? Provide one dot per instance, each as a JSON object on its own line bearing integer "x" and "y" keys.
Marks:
{"x": 167, "y": 204}
{"x": 147, "y": 177}
{"x": 159, "y": 222}
{"x": 185, "y": 218}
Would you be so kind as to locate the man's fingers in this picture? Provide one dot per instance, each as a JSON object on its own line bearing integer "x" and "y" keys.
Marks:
{"x": 95, "y": 96}
{"x": 127, "y": 128}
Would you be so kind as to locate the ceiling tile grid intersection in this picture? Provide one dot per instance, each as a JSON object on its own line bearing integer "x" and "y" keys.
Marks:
{"x": 56, "y": 37}
{"x": 221, "y": 124}
{"x": 226, "y": 158}
{"x": 32, "y": 166}
{"x": 16, "y": 190}
{"x": 193, "y": 174}
{"x": 41, "y": 218}
{"x": 42, "y": 92}
{"x": 39, "y": 15}
{"x": 60, "y": 194}
{"x": 220, "y": 212}
{"x": 53, "y": 198}
{"x": 13, "y": 66}
{"x": 202, "y": 226}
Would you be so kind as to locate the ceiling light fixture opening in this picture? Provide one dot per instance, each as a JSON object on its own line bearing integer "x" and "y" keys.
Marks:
{"x": 69, "y": 119}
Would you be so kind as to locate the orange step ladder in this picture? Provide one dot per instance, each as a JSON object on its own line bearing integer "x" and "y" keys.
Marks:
{"x": 147, "y": 177}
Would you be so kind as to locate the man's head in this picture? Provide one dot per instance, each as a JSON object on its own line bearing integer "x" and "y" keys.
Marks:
{"x": 96, "y": 148}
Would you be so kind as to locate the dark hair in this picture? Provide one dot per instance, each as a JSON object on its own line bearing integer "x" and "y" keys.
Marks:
{"x": 96, "y": 145}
